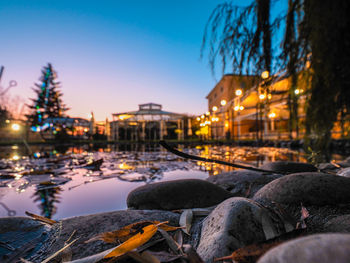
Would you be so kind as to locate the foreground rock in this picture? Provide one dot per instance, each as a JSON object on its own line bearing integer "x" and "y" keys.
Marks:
{"x": 288, "y": 167}
{"x": 22, "y": 234}
{"x": 89, "y": 226}
{"x": 242, "y": 182}
{"x": 321, "y": 248}
{"x": 234, "y": 223}
{"x": 338, "y": 224}
{"x": 308, "y": 188}
{"x": 177, "y": 194}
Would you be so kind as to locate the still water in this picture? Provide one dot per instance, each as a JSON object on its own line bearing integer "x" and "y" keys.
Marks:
{"x": 60, "y": 183}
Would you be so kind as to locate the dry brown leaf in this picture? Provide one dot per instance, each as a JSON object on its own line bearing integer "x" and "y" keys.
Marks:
{"x": 269, "y": 228}
{"x": 128, "y": 231}
{"x": 192, "y": 254}
{"x": 59, "y": 251}
{"x": 41, "y": 218}
{"x": 164, "y": 256}
{"x": 137, "y": 240}
{"x": 249, "y": 253}
{"x": 303, "y": 215}
{"x": 252, "y": 252}
{"x": 143, "y": 257}
{"x": 178, "y": 236}
{"x": 174, "y": 246}
{"x": 186, "y": 220}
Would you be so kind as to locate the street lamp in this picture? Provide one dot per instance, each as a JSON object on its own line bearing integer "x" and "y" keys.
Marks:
{"x": 16, "y": 127}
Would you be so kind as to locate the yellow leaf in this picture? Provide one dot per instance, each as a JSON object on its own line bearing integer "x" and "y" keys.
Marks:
{"x": 137, "y": 240}
{"x": 128, "y": 231}
{"x": 41, "y": 218}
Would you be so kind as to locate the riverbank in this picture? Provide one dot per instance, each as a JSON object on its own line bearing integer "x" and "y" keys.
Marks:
{"x": 288, "y": 211}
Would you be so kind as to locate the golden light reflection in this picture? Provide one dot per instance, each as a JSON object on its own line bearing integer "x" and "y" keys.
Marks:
{"x": 15, "y": 157}
{"x": 125, "y": 166}
{"x": 124, "y": 117}
{"x": 265, "y": 74}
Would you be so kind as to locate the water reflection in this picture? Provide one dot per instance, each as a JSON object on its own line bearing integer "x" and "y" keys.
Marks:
{"x": 85, "y": 179}
{"x": 47, "y": 198}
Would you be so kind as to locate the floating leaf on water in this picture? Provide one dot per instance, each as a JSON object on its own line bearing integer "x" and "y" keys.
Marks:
{"x": 186, "y": 220}
{"x": 135, "y": 241}
{"x": 41, "y": 218}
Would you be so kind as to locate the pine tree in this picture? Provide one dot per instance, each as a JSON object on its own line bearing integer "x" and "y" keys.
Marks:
{"x": 48, "y": 103}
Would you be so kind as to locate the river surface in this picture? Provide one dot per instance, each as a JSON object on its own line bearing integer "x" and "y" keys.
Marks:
{"x": 60, "y": 183}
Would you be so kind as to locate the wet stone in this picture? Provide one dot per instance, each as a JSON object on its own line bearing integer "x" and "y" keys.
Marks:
{"x": 234, "y": 223}
{"x": 242, "y": 183}
{"x": 20, "y": 234}
{"x": 308, "y": 188}
{"x": 177, "y": 194}
{"x": 321, "y": 248}
{"x": 289, "y": 167}
{"x": 338, "y": 224}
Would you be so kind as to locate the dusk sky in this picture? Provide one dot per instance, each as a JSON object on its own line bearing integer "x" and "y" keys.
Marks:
{"x": 110, "y": 55}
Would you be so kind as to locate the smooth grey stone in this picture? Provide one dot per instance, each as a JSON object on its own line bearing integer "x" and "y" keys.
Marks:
{"x": 234, "y": 223}
{"x": 321, "y": 248}
{"x": 177, "y": 194}
{"x": 338, "y": 224}
{"x": 308, "y": 188}
{"x": 289, "y": 167}
{"x": 243, "y": 183}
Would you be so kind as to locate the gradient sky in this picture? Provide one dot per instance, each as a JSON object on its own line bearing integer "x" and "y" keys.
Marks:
{"x": 110, "y": 55}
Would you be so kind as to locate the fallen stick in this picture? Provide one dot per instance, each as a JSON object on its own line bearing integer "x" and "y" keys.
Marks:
{"x": 194, "y": 157}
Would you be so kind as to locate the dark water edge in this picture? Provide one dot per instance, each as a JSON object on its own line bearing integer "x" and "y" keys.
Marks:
{"x": 339, "y": 148}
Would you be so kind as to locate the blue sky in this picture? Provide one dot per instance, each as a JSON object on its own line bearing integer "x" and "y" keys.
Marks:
{"x": 110, "y": 55}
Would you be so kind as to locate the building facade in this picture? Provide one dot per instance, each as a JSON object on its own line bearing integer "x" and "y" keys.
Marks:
{"x": 148, "y": 123}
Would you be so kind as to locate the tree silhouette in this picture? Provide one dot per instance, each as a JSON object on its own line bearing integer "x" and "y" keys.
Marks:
{"x": 316, "y": 43}
{"x": 48, "y": 102}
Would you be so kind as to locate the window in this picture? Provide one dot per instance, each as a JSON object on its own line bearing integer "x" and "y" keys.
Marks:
{"x": 222, "y": 88}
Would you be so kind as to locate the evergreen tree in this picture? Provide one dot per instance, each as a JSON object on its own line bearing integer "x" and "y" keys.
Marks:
{"x": 48, "y": 103}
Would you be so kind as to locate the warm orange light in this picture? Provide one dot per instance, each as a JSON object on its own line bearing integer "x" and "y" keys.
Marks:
{"x": 265, "y": 74}
{"x": 297, "y": 91}
{"x": 223, "y": 102}
{"x": 272, "y": 115}
{"x": 202, "y": 116}
{"x": 236, "y": 108}
{"x": 241, "y": 107}
{"x": 124, "y": 117}
{"x": 215, "y": 108}
{"x": 238, "y": 92}
{"x": 262, "y": 96}
{"x": 15, "y": 127}
{"x": 269, "y": 96}
{"x": 198, "y": 119}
